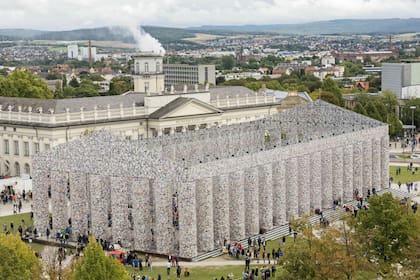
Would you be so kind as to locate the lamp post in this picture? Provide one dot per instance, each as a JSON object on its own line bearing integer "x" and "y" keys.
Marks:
{"x": 413, "y": 138}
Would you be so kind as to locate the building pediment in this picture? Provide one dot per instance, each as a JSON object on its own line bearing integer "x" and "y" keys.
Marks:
{"x": 182, "y": 107}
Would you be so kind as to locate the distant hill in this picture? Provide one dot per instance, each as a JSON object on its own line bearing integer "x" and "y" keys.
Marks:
{"x": 340, "y": 26}
{"x": 163, "y": 34}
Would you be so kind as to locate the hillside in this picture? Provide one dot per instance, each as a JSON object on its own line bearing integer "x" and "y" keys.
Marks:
{"x": 340, "y": 26}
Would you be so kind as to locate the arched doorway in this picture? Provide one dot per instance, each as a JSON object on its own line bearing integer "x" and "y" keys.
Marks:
{"x": 27, "y": 169}
{"x": 17, "y": 169}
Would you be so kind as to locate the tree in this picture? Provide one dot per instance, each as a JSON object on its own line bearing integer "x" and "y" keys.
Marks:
{"x": 22, "y": 83}
{"x": 329, "y": 85}
{"x": 74, "y": 82}
{"x": 227, "y": 62}
{"x": 358, "y": 108}
{"x": 390, "y": 101}
{"x": 372, "y": 112}
{"x": 330, "y": 98}
{"x": 385, "y": 229}
{"x": 119, "y": 85}
{"x": 18, "y": 261}
{"x": 95, "y": 265}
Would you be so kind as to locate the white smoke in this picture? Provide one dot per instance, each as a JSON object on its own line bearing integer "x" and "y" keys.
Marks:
{"x": 145, "y": 42}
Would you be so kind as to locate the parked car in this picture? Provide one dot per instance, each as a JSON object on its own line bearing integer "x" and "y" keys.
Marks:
{"x": 393, "y": 156}
{"x": 415, "y": 156}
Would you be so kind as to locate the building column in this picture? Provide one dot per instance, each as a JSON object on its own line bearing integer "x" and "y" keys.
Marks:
{"x": 59, "y": 200}
{"x": 304, "y": 184}
{"x": 327, "y": 194}
{"x": 279, "y": 194}
{"x": 100, "y": 195}
{"x": 163, "y": 230}
{"x": 40, "y": 183}
{"x": 171, "y": 130}
{"x": 252, "y": 219}
{"x": 348, "y": 191}
{"x": 367, "y": 167}
{"x": 141, "y": 214}
{"x": 187, "y": 220}
{"x": 376, "y": 163}
{"x": 292, "y": 188}
{"x": 79, "y": 198}
{"x": 316, "y": 182}
{"x": 357, "y": 167}
{"x": 236, "y": 206}
{"x": 221, "y": 208}
{"x": 384, "y": 162}
{"x": 338, "y": 173}
{"x": 205, "y": 233}
{"x": 265, "y": 186}
{"x": 119, "y": 210}
{"x": 159, "y": 131}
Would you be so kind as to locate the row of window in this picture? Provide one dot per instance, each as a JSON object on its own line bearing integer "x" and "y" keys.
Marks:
{"x": 26, "y": 150}
{"x": 146, "y": 67}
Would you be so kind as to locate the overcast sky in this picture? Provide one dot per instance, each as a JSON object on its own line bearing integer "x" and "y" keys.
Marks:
{"x": 73, "y": 14}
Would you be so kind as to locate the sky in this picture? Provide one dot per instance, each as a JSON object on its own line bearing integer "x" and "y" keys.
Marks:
{"x": 74, "y": 14}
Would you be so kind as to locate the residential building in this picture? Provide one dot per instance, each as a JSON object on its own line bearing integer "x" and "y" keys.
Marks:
{"x": 403, "y": 79}
{"x": 179, "y": 74}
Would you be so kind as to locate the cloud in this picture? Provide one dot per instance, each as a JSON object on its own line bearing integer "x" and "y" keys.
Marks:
{"x": 72, "y": 14}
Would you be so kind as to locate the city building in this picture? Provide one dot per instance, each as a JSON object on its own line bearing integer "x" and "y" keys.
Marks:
{"x": 29, "y": 126}
{"x": 184, "y": 194}
{"x": 72, "y": 52}
{"x": 403, "y": 79}
{"x": 180, "y": 74}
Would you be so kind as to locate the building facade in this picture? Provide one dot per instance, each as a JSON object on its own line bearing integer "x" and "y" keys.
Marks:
{"x": 184, "y": 194}
{"x": 403, "y": 79}
{"x": 29, "y": 126}
{"x": 180, "y": 74}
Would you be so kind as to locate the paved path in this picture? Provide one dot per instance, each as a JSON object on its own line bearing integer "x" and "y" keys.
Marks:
{"x": 7, "y": 209}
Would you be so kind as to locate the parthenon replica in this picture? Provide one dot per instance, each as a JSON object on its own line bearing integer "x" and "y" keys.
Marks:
{"x": 185, "y": 193}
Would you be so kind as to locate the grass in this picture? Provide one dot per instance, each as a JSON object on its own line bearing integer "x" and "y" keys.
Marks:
{"x": 200, "y": 272}
{"x": 16, "y": 220}
{"x": 405, "y": 176}
{"x": 405, "y": 156}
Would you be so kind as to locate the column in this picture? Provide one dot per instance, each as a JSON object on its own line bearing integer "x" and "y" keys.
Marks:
{"x": 119, "y": 210}
{"x": 357, "y": 167}
{"x": 326, "y": 178}
{"x": 204, "y": 198}
{"x": 236, "y": 206}
{"x": 292, "y": 188}
{"x": 367, "y": 166}
{"x": 316, "y": 191}
{"x": 163, "y": 231}
{"x": 384, "y": 162}
{"x": 221, "y": 208}
{"x": 338, "y": 173}
{"x": 304, "y": 184}
{"x": 348, "y": 173}
{"x": 252, "y": 219}
{"x": 59, "y": 200}
{"x": 141, "y": 214}
{"x": 187, "y": 220}
{"x": 40, "y": 183}
{"x": 79, "y": 204}
{"x": 265, "y": 186}
{"x": 279, "y": 194}
{"x": 100, "y": 195}
{"x": 376, "y": 163}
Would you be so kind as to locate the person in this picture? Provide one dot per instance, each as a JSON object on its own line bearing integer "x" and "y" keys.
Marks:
{"x": 168, "y": 268}
{"x": 178, "y": 272}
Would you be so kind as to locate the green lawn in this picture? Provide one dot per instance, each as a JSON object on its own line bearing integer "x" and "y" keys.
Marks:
{"x": 16, "y": 220}
{"x": 405, "y": 176}
{"x": 200, "y": 273}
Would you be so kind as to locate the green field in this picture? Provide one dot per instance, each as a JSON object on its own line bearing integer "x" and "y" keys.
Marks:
{"x": 201, "y": 272}
{"x": 16, "y": 220}
{"x": 405, "y": 176}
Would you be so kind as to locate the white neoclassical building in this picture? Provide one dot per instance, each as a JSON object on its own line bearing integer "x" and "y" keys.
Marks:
{"x": 29, "y": 126}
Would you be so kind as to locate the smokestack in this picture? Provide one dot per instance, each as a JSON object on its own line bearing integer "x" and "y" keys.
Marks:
{"x": 90, "y": 53}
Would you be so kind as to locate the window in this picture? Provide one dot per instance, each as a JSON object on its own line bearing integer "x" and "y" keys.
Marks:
{"x": 16, "y": 146}
{"x": 158, "y": 66}
{"x": 47, "y": 147}
{"x": 6, "y": 147}
{"x": 146, "y": 86}
{"x": 146, "y": 67}
{"x": 36, "y": 148}
{"x": 17, "y": 169}
{"x": 206, "y": 74}
{"x": 26, "y": 149}
{"x": 137, "y": 68}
